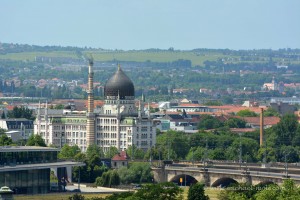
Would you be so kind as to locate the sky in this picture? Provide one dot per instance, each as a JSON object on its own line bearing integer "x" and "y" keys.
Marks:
{"x": 144, "y": 24}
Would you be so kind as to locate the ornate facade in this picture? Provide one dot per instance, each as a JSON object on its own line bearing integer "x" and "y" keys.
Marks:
{"x": 119, "y": 122}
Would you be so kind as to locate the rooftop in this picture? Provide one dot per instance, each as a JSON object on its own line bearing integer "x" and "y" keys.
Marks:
{"x": 25, "y": 148}
{"x": 40, "y": 166}
{"x": 122, "y": 156}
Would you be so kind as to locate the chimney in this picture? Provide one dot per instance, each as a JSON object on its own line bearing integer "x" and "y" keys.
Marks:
{"x": 90, "y": 128}
{"x": 261, "y": 133}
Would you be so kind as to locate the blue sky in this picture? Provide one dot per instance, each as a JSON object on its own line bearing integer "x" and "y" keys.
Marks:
{"x": 143, "y": 24}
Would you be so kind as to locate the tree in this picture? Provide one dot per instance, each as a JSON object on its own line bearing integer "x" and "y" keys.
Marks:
{"x": 195, "y": 154}
{"x": 93, "y": 168}
{"x": 287, "y": 153}
{"x": 196, "y": 192}
{"x": 209, "y": 122}
{"x": 94, "y": 150}
{"x": 235, "y": 123}
{"x": 108, "y": 179}
{"x": 36, "y": 140}
{"x": 135, "y": 152}
{"x": 270, "y": 192}
{"x": 269, "y": 152}
{"x": 68, "y": 152}
{"x": 136, "y": 173}
{"x": 76, "y": 197}
{"x": 111, "y": 152}
{"x": 21, "y": 112}
{"x": 5, "y": 141}
{"x": 285, "y": 130}
{"x": 289, "y": 190}
{"x": 161, "y": 191}
{"x": 3, "y": 115}
{"x": 246, "y": 113}
{"x": 249, "y": 149}
{"x": 271, "y": 112}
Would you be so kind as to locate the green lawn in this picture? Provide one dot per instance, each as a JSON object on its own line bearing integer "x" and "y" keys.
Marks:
{"x": 54, "y": 196}
{"x": 211, "y": 192}
{"x": 138, "y": 56}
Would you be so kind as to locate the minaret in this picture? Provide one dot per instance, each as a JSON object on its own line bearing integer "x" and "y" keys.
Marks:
{"x": 90, "y": 129}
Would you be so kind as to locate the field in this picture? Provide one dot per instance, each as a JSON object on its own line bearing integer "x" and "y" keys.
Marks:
{"x": 30, "y": 56}
{"x": 211, "y": 192}
{"x": 54, "y": 196}
{"x": 162, "y": 56}
{"x": 138, "y": 56}
{"x": 143, "y": 56}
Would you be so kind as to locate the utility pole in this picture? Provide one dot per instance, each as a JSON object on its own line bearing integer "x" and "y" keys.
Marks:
{"x": 168, "y": 149}
{"x": 286, "y": 165}
{"x": 205, "y": 153}
{"x": 79, "y": 178}
{"x": 240, "y": 156}
{"x": 193, "y": 156}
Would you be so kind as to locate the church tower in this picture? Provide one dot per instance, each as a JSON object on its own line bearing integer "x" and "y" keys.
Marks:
{"x": 90, "y": 132}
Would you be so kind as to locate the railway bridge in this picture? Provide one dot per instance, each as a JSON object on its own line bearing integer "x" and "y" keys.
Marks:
{"x": 223, "y": 174}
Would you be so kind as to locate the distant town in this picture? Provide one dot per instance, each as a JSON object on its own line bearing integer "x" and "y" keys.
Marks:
{"x": 80, "y": 116}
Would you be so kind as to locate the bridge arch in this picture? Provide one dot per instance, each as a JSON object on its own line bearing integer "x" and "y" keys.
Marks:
{"x": 185, "y": 178}
{"x": 223, "y": 182}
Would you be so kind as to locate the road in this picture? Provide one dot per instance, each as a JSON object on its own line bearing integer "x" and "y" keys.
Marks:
{"x": 85, "y": 189}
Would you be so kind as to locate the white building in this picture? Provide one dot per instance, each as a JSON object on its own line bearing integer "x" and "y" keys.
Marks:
{"x": 118, "y": 123}
{"x": 17, "y": 128}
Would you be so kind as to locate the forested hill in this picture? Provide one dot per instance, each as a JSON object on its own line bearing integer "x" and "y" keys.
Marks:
{"x": 195, "y": 57}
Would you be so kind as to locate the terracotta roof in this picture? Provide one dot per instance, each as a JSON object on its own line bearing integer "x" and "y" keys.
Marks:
{"x": 122, "y": 156}
{"x": 235, "y": 109}
{"x": 256, "y": 120}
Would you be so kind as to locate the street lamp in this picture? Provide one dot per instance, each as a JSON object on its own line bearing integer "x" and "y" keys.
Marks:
{"x": 240, "y": 156}
{"x": 286, "y": 167}
{"x": 79, "y": 178}
{"x": 78, "y": 173}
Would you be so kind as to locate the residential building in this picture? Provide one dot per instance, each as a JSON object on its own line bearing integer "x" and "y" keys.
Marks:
{"x": 119, "y": 160}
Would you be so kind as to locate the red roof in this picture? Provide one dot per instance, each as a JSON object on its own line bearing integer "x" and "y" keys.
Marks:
{"x": 267, "y": 120}
{"x": 122, "y": 156}
{"x": 226, "y": 109}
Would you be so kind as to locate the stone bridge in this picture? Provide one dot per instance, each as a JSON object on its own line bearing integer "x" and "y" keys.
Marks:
{"x": 218, "y": 177}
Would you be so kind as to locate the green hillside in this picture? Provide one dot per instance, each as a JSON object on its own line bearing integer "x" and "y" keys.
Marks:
{"x": 197, "y": 56}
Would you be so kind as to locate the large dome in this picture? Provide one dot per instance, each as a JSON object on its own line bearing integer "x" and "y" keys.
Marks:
{"x": 119, "y": 84}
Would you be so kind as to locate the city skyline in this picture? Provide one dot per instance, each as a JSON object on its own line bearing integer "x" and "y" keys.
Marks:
{"x": 147, "y": 24}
